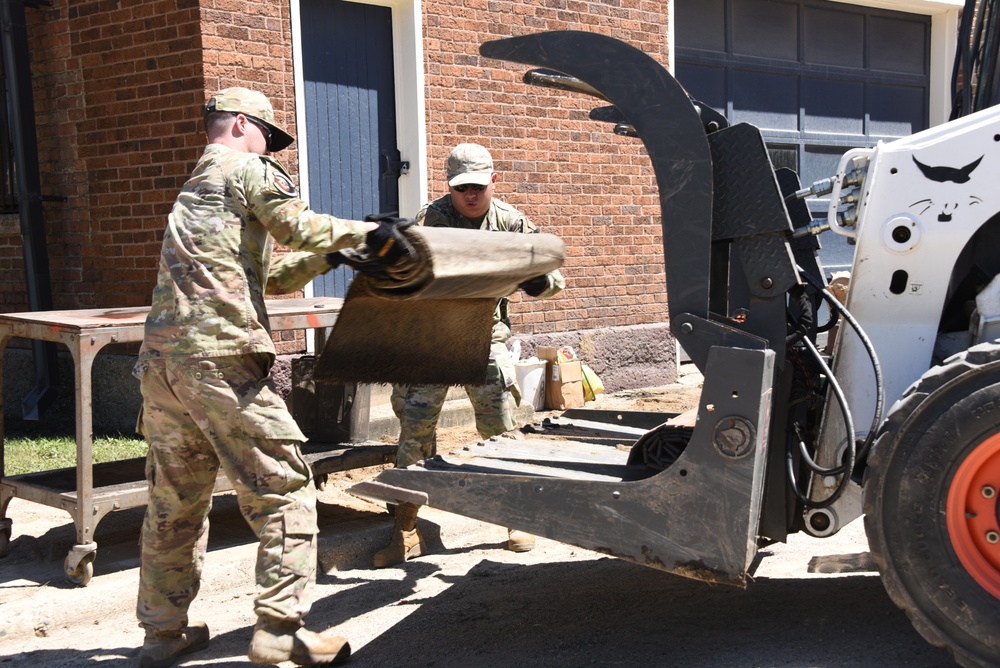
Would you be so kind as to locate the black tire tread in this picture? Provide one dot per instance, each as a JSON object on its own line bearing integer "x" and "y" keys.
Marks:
{"x": 902, "y": 411}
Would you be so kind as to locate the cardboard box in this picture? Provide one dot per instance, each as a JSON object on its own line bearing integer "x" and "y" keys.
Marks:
{"x": 563, "y": 381}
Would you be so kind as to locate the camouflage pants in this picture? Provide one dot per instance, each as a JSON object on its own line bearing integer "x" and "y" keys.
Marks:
{"x": 199, "y": 415}
{"x": 419, "y": 406}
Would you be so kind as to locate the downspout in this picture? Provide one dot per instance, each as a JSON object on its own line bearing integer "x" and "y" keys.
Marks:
{"x": 14, "y": 39}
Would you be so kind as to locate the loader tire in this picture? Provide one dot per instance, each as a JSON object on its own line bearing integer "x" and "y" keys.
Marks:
{"x": 931, "y": 505}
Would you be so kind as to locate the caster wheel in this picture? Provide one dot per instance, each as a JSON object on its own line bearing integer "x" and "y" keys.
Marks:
{"x": 5, "y": 532}
{"x": 83, "y": 573}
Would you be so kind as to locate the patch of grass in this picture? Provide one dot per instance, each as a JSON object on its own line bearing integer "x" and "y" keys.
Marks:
{"x": 30, "y": 454}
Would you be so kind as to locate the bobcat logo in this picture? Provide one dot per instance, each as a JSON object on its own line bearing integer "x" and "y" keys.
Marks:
{"x": 944, "y": 174}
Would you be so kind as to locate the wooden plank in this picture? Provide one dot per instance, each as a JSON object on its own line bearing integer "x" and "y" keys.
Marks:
{"x": 598, "y": 429}
{"x": 346, "y": 458}
{"x": 533, "y": 449}
{"x": 566, "y": 471}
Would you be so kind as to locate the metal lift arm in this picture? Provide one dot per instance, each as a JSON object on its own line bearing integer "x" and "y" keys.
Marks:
{"x": 699, "y": 516}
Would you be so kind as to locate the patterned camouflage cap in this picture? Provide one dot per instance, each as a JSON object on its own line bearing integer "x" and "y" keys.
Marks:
{"x": 469, "y": 163}
{"x": 256, "y": 105}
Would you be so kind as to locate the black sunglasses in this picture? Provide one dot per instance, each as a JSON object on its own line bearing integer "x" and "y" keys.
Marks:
{"x": 263, "y": 128}
{"x": 465, "y": 186}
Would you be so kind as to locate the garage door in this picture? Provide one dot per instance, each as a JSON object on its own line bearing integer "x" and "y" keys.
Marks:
{"x": 816, "y": 77}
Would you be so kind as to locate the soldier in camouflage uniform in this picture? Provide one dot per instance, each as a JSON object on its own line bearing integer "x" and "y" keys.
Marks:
{"x": 468, "y": 204}
{"x": 207, "y": 397}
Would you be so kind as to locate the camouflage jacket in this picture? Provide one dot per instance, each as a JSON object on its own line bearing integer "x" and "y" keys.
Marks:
{"x": 216, "y": 265}
{"x": 501, "y": 217}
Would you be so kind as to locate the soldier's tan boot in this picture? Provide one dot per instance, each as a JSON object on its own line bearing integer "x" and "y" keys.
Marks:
{"x": 162, "y": 650}
{"x": 275, "y": 641}
{"x": 406, "y": 542}
{"x": 519, "y": 541}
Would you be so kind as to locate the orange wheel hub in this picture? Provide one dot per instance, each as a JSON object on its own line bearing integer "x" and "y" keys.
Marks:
{"x": 973, "y": 514}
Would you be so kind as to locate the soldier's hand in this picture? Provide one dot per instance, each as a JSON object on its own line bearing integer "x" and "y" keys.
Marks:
{"x": 386, "y": 243}
{"x": 535, "y": 286}
{"x": 335, "y": 259}
{"x": 360, "y": 262}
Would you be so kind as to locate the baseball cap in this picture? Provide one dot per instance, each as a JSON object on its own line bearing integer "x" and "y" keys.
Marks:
{"x": 250, "y": 103}
{"x": 469, "y": 163}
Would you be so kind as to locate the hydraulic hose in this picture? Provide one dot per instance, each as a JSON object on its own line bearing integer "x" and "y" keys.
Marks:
{"x": 848, "y": 465}
{"x": 873, "y": 356}
{"x": 977, "y": 68}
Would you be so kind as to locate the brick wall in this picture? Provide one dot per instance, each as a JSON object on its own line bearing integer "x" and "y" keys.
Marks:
{"x": 116, "y": 90}
{"x": 116, "y": 85}
{"x": 248, "y": 43}
{"x": 570, "y": 175}
{"x": 59, "y": 104}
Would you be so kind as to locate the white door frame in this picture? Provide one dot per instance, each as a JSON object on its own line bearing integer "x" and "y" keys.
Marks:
{"x": 411, "y": 133}
{"x": 408, "y": 68}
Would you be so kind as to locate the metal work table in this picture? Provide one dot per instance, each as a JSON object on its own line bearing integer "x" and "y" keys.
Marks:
{"x": 89, "y": 491}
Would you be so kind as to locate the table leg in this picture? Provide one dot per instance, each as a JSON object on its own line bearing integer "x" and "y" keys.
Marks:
{"x": 6, "y": 493}
{"x": 79, "y": 564}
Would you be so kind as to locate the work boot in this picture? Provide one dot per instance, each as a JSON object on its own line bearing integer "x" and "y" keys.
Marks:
{"x": 275, "y": 641}
{"x": 406, "y": 542}
{"x": 163, "y": 649}
{"x": 519, "y": 541}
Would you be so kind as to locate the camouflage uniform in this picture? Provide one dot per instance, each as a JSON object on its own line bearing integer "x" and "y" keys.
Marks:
{"x": 419, "y": 406}
{"x": 207, "y": 396}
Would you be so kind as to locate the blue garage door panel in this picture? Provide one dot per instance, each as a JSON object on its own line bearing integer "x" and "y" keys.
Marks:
{"x": 818, "y": 159}
{"x": 833, "y": 37}
{"x": 769, "y": 101}
{"x": 899, "y": 45}
{"x": 809, "y": 73}
{"x": 706, "y": 23}
{"x": 707, "y": 84}
{"x": 833, "y": 107}
{"x": 897, "y": 111}
{"x": 766, "y": 29}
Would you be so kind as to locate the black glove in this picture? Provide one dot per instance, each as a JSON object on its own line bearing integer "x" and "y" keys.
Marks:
{"x": 360, "y": 262}
{"x": 535, "y": 286}
{"x": 386, "y": 242}
{"x": 335, "y": 259}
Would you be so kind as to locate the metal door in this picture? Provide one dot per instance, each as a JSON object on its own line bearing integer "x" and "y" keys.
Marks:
{"x": 350, "y": 112}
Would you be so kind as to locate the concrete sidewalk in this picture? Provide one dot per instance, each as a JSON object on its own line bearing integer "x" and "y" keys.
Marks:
{"x": 456, "y": 412}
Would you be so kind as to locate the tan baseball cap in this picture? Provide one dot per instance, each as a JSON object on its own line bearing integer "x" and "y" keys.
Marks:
{"x": 469, "y": 163}
{"x": 250, "y": 103}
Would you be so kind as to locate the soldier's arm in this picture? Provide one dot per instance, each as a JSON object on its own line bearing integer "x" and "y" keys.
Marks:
{"x": 273, "y": 200}
{"x": 554, "y": 281}
{"x": 430, "y": 216}
{"x": 554, "y": 284}
{"x": 293, "y": 271}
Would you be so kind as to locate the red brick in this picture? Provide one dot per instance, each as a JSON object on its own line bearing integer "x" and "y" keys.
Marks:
{"x": 117, "y": 92}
